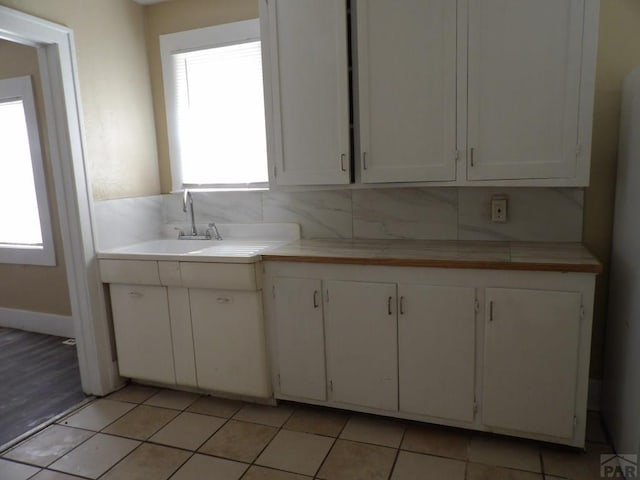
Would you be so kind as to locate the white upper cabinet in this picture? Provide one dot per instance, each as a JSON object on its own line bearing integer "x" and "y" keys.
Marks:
{"x": 525, "y": 66}
{"x": 443, "y": 92}
{"x": 406, "y": 63}
{"x": 307, "y": 82}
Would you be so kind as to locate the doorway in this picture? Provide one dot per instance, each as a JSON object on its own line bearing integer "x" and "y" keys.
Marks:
{"x": 55, "y": 49}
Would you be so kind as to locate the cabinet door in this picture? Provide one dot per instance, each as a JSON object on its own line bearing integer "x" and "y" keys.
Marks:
{"x": 300, "y": 337}
{"x": 407, "y": 90}
{"x": 143, "y": 332}
{"x": 362, "y": 343}
{"x": 436, "y": 343}
{"x": 524, "y": 88}
{"x": 307, "y": 55}
{"x": 229, "y": 342}
{"x": 531, "y": 360}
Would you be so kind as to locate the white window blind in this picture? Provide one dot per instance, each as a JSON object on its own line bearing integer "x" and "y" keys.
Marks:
{"x": 217, "y": 133}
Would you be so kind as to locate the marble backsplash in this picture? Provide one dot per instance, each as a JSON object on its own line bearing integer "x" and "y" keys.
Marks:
{"x": 535, "y": 214}
{"x": 127, "y": 220}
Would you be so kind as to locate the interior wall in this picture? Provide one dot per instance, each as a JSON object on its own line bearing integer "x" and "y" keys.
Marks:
{"x": 20, "y": 281}
{"x": 177, "y": 16}
{"x": 618, "y": 54}
{"x": 115, "y": 97}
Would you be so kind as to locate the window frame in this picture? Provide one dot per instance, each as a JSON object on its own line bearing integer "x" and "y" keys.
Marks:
{"x": 192, "y": 40}
{"x": 21, "y": 88}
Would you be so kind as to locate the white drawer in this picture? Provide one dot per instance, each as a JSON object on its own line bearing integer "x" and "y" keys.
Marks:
{"x": 227, "y": 276}
{"x": 136, "y": 272}
{"x": 170, "y": 273}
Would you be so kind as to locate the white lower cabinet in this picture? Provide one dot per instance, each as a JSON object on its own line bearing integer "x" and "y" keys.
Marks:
{"x": 385, "y": 343}
{"x": 143, "y": 332}
{"x": 362, "y": 343}
{"x": 174, "y": 327}
{"x": 436, "y": 350}
{"x": 228, "y": 335}
{"x": 300, "y": 337}
{"x": 531, "y": 360}
{"x": 490, "y": 350}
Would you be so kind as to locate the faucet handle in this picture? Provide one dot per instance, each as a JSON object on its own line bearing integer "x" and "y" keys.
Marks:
{"x": 212, "y": 231}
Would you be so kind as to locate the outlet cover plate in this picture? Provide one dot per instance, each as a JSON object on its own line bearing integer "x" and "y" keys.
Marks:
{"x": 499, "y": 209}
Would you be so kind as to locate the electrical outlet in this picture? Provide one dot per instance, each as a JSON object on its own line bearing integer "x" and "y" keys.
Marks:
{"x": 499, "y": 209}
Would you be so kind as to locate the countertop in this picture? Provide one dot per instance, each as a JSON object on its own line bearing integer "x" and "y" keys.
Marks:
{"x": 538, "y": 256}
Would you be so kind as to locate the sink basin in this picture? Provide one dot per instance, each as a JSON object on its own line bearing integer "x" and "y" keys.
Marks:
{"x": 185, "y": 249}
{"x": 242, "y": 243}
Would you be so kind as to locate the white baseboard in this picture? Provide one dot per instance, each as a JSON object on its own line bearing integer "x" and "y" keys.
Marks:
{"x": 47, "y": 323}
{"x": 595, "y": 394}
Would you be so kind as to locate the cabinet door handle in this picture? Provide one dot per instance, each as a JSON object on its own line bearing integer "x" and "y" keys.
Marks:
{"x": 389, "y": 305}
{"x": 135, "y": 294}
{"x": 491, "y": 311}
{"x": 364, "y": 160}
{"x": 402, "y": 305}
{"x": 472, "y": 154}
{"x": 342, "y": 167}
{"x": 315, "y": 299}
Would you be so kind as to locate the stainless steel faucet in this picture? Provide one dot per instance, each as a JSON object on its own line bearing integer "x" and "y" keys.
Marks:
{"x": 187, "y": 204}
{"x": 212, "y": 231}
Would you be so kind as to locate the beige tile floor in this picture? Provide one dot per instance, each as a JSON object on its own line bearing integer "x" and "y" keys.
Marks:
{"x": 142, "y": 433}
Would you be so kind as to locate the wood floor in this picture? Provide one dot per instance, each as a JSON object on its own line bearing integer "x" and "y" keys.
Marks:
{"x": 39, "y": 379}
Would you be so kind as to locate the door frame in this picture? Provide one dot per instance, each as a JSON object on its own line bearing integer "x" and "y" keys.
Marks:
{"x": 57, "y": 61}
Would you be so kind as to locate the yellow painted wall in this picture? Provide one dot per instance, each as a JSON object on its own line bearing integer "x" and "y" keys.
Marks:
{"x": 118, "y": 125}
{"x": 19, "y": 282}
{"x": 114, "y": 87}
{"x": 177, "y": 16}
{"x": 618, "y": 54}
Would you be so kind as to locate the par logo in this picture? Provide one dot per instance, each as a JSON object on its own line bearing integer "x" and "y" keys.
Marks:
{"x": 619, "y": 466}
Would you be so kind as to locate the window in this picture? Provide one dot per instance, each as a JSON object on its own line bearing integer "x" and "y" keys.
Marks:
{"x": 25, "y": 227}
{"x": 215, "y": 106}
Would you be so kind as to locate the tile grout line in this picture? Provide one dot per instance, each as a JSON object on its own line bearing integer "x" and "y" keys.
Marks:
{"x": 395, "y": 460}
{"x": 253, "y": 462}
{"x": 335, "y": 440}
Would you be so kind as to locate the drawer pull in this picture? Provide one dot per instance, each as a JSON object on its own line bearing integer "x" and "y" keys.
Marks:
{"x": 389, "y": 305}
{"x": 224, "y": 300}
{"x": 134, "y": 294}
{"x": 315, "y": 299}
